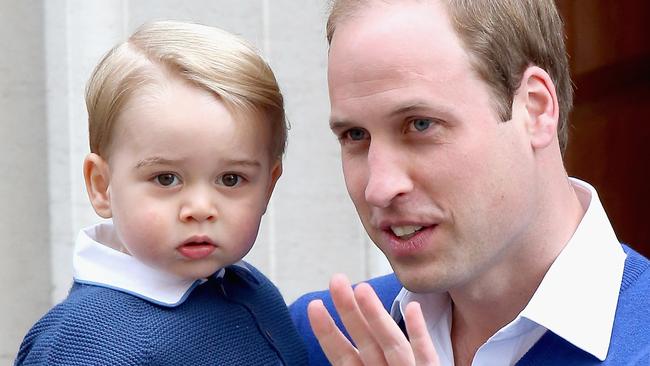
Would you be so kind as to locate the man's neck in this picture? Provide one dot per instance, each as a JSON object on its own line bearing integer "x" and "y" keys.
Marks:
{"x": 479, "y": 316}
{"x": 481, "y": 308}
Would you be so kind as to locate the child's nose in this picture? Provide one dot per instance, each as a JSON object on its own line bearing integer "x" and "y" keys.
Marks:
{"x": 198, "y": 209}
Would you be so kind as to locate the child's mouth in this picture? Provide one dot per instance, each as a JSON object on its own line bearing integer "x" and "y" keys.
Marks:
{"x": 196, "y": 250}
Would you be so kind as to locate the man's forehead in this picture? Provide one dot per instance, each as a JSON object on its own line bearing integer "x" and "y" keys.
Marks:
{"x": 391, "y": 16}
{"x": 389, "y": 56}
{"x": 393, "y": 36}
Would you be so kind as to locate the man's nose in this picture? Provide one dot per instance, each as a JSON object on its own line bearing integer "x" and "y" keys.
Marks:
{"x": 388, "y": 175}
{"x": 198, "y": 205}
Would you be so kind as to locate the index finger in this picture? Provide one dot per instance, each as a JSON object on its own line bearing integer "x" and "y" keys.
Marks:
{"x": 423, "y": 349}
{"x": 395, "y": 346}
{"x": 354, "y": 321}
{"x": 337, "y": 348}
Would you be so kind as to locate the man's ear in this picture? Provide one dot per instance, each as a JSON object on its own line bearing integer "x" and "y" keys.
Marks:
{"x": 538, "y": 97}
{"x": 97, "y": 177}
{"x": 276, "y": 172}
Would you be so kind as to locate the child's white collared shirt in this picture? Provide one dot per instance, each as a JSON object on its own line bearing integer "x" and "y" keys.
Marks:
{"x": 98, "y": 264}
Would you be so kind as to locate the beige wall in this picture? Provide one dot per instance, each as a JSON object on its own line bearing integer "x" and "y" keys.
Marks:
{"x": 48, "y": 50}
{"x": 24, "y": 226}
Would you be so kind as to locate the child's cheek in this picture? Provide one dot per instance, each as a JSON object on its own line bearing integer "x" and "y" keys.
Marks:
{"x": 152, "y": 216}
{"x": 145, "y": 228}
{"x": 152, "y": 224}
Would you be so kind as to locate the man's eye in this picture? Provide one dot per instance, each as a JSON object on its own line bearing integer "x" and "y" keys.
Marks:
{"x": 167, "y": 180}
{"x": 230, "y": 180}
{"x": 421, "y": 124}
{"x": 355, "y": 134}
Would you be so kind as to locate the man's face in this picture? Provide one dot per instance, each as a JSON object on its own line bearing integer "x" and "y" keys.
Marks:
{"x": 440, "y": 184}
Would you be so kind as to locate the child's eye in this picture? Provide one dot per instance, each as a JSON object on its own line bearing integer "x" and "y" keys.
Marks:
{"x": 230, "y": 180}
{"x": 167, "y": 180}
{"x": 420, "y": 124}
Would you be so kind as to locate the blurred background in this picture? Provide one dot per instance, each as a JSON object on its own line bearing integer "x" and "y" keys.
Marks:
{"x": 49, "y": 47}
{"x": 609, "y": 145}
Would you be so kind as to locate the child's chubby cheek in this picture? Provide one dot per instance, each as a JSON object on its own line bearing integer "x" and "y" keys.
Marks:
{"x": 145, "y": 226}
{"x": 153, "y": 217}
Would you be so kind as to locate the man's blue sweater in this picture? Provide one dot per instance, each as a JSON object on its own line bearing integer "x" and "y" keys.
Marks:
{"x": 239, "y": 319}
{"x": 630, "y": 342}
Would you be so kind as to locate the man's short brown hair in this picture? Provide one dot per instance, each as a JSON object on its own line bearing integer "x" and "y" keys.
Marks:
{"x": 503, "y": 38}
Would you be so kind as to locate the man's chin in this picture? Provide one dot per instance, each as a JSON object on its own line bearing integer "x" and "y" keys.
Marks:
{"x": 422, "y": 281}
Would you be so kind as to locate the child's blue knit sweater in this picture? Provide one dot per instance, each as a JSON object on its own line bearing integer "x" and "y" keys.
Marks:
{"x": 630, "y": 341}
{"x": 239, "y": 319}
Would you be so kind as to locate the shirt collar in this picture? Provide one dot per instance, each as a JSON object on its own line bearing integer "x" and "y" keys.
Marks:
{"x": 436, "y": 310}
{"x": 98, "y": 264}
{"x": 578, "y": 296}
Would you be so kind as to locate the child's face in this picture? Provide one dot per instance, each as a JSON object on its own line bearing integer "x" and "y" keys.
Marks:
{"x": 189, "y": 181}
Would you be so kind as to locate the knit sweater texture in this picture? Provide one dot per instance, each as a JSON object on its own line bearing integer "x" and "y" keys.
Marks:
{"x": 629, "y": 345}
{"x": 240, "y": 319}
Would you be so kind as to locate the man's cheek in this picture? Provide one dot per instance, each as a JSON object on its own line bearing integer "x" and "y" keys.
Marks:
{"x": 355, "y": 182}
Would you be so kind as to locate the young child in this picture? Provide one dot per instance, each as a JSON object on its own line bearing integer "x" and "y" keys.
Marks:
{"x": 187, "y": 132}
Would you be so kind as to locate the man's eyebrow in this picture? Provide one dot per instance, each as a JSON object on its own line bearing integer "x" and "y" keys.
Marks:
{"x": 336, "y": 125}
{"x": 408, "y": 108}
{"x": 404, "y": 108}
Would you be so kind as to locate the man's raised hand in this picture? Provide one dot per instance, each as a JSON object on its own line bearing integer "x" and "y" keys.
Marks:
{"x": 378, "y": 339}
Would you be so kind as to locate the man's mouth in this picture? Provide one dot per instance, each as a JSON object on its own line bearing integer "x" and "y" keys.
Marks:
{"x": 406, "y": 231}
{"x": 406, "y": 240}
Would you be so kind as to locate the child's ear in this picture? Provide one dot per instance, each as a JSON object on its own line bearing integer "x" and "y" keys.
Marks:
{"x": 276, "y": 172}
{"x": 97, "y": 177}
{"x": 538, "y": 96}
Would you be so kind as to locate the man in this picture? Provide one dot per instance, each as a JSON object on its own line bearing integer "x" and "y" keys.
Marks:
{"x": 452, "y": 118}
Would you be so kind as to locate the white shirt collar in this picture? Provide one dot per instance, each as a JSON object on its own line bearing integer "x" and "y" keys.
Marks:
{"x": 576, "y": 299}
{"x": 578, "y": 296}
{"x": 98, "y": 264}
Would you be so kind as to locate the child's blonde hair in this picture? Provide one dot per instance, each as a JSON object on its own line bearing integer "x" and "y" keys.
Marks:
{"x": 208, "y": 57}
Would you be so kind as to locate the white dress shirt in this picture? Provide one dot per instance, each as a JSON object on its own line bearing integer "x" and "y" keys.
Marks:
{"x": 576, "y": 299}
